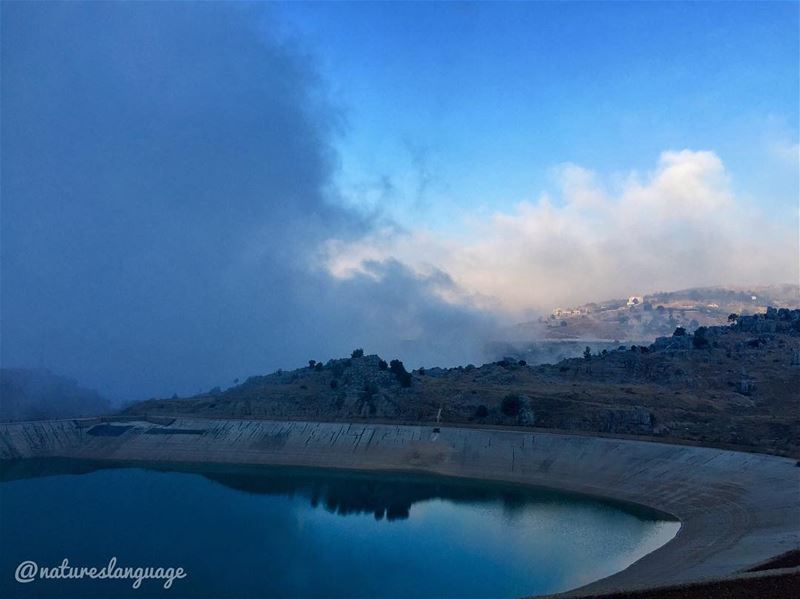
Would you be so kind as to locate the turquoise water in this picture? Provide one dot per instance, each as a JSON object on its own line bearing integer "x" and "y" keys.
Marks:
{"x": 280, "y": 532}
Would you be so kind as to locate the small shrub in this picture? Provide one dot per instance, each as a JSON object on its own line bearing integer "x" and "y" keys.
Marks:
{"x": 511, "y": 405}
{"x": 334, "y": 384}
{"x": 679, "y": 332}
{"x": 312, "y": 363}
{"x": 369, "y": 391}
{"x": 481, "y": 411}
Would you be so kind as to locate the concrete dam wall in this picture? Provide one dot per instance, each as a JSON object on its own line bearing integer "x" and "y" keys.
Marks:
{"x": 736, "y": 509}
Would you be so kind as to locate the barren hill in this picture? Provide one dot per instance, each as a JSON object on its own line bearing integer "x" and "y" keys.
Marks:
{"x": 731, "y": 385}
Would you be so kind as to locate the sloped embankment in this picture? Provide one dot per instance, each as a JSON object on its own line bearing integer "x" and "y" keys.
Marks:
{"x": 736, "y": 509}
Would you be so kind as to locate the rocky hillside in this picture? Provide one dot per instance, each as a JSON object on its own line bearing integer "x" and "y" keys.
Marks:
{"x": 732, "y": 385}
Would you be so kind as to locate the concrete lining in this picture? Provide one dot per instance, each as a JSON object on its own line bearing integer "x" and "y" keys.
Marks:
{"x": 736, "y": 509}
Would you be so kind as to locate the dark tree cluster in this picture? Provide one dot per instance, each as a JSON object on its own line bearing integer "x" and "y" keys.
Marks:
{"x": 699, "y": 340}
{"x": 400, "y": 372}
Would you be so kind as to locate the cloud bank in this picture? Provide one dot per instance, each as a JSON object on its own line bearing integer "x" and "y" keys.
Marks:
{"x": 167, "y": 182}
{"x": 678, "y": 226}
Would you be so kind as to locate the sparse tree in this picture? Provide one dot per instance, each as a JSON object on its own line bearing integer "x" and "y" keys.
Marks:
{"x": 587, "y": 353}
{"x": 400, "y": 372}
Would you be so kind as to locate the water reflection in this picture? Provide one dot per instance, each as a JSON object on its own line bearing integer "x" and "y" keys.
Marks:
{"x": 387, "y": 496}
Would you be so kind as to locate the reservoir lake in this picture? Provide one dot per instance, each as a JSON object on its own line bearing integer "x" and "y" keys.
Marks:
{"x": 297, "y": 532}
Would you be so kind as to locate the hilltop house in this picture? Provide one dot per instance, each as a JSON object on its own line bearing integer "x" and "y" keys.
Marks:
{"x": 635, "y": 300}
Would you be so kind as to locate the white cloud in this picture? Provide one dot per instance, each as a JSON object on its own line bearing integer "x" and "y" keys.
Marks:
{"x": 677, "y": 226}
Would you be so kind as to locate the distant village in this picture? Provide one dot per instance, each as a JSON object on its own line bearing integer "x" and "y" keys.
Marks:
{"x": 640, "y": 317}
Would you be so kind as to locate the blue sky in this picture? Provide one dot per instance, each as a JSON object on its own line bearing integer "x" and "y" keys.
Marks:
{"x": 469, "y": 106}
